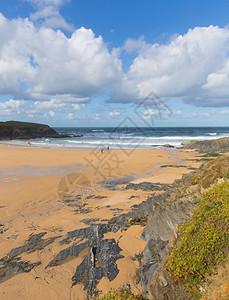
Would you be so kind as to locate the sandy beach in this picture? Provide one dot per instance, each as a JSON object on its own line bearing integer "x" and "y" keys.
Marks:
{"x": 52, "y": 192}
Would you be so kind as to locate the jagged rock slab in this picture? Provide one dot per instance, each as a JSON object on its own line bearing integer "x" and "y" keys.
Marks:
{"x": 14, "y": 267}
{"x": 113, "y": 183}
{"x": 221, "y": 145}
{"x": 11, "y": 264}
{"x": 99, "y": 263}
{"x": 146, "y": 186}
{"x": 100, "y": 259}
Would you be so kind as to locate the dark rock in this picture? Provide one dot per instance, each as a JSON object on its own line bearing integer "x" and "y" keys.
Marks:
{"x": 221, "y": 145}
{"x": 100, "y": 197}
{"x": 91, "y": 232}
{"x": 23, "y": 130}
{"x": 14, "y": 267}
{"x": 113, "y": 183}
{"x": 77, "y": 135}
{"x": 131, "y": 197}
{"x": 71, "y": 251}
{"x": 88, "y": 221}
{"x": 35, "y": 242}
{"x": 11, "y": 265}
{"x": 99, "y": 263}
{"x": 136, "y": 215}
{"x": 2, "y": 228}
{"x": 168, "y": 146}
{"x": 100, "y": 259}
{"x": 116, "y": 209}
{"x": 135, "y": 206}
{"x": 146, "y": 186}
{"x": 90, "y": 196}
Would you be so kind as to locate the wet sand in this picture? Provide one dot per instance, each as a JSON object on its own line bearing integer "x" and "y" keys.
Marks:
{"x": 60, "y": 190}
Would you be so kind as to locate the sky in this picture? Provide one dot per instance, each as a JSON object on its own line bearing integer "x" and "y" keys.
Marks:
{"x": 96, "y": 62}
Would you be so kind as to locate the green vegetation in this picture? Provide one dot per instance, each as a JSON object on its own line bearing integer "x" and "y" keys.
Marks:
{"x": 121, "y": 294}
{"x": 172, "y": 166}
{"x": 142, "y": 221}
{"x": 215, "y": 169}
{"x": 211, "y": 154}
{"x": 204, "y": 240}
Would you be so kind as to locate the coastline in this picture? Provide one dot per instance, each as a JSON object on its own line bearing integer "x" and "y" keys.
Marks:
{"x": 39, "y": 189}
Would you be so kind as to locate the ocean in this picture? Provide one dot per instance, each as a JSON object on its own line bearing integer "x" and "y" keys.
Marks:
{"x": 126, "y": 137}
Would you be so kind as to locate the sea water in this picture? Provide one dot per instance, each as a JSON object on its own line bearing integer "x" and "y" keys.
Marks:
{"x": 126, "y": 137}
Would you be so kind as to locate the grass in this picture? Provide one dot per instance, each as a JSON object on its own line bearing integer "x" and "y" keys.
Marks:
{"x": 121, "y": 294}
{"x": 172, "y": 166}
{"x": 211, "y": 154}
{"x": 204, "y": 241}
{"x": 215, "y": 169}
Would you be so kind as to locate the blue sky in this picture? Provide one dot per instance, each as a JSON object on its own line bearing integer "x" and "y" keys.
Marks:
{"x": 92, "y": 63}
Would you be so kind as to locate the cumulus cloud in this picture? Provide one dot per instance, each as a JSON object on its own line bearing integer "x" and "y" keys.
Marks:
{"x": 70, "y": 116}
{"x": 114, "y": 113}
{"x": 193, "y": 67}
{"x": 76, "y": 107}
{"x": 45, "y": 105}
{"x": 47, "y": 14}
{"x": 43, "y": 64}
{"x": 46, "y": 66}
{"x": 11, "y": 107}
{"x": 149, "y": 114}
{"x": 132, "y": 45}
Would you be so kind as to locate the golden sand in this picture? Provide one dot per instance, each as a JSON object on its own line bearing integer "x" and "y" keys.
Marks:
{"x": 34, "y": 186}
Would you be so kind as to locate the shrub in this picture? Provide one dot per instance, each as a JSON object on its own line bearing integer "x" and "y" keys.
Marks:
{"x": 204, "y": 240}
{"x": 121, "y": 294}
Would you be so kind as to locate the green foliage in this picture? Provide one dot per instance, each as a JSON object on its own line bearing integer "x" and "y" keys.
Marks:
{"x": 215, "y": 169}
{"x": 204, "y": 240}
{"x": 173, "y": 166}
{"x": 211, "y": 154}
{"x": 121, "y": 294}
{"x": 195, "y": 179}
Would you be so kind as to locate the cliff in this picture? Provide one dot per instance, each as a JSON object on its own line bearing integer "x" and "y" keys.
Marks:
{"x": 188, "y": 235}
{"x": 23, "y": 130}
{"x": 165, "y": 216}
{"x": 221, "y": 145}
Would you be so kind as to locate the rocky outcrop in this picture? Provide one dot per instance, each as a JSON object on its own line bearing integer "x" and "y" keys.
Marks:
{"x": 22, "y": 130}
{"x": 100, "y": 255}
{"x": 221, "y": 145}
{"x": 11, "y": 264}
{"x": 162, "y": 215}
{"x": 175, "y": 208}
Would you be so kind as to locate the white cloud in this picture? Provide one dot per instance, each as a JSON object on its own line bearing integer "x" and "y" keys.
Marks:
{"x": 132, "y": 45}
{"x": 51, "y": 113}
{"x": 76, "y": 106}
{"x": 11, "y": 107}
{"x": 42, "y": 64}
{"x": 70, "y": 116}
{"x": 224, "y": 112}
{"x": 193, "y": 67}
{"x": 149, "y": 114}
{"x": 47, "y": 14}
{"x": 45, "y": 105}
{"x": 114, "y": 113}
